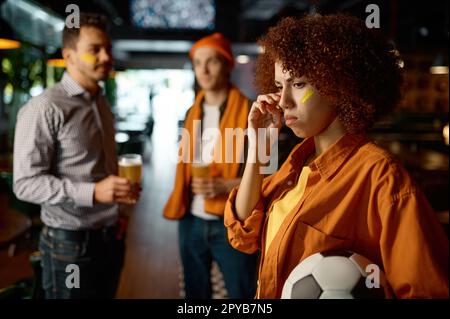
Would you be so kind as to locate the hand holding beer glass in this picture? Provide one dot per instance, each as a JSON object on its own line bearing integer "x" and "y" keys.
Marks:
{"x": 200, "y": 178}
{"x": 130, "y": 167}
{"x": 204, "y": 182}
{"x": 200, "y": 170}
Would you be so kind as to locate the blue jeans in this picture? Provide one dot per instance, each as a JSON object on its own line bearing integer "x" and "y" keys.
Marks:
{"x": 98, "y": 256}
{"x": 200, "y": 242}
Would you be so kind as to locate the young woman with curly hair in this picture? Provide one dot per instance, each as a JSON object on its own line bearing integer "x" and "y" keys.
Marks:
{"x": 329, "y": 77}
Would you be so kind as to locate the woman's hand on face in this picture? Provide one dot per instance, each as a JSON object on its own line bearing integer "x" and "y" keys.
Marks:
{"x": 265, "y": 112}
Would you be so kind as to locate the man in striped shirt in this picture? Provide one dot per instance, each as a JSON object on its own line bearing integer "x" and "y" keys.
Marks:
{"x": 65, "y": 160}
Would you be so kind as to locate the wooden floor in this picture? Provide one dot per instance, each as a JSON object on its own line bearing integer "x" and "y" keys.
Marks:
{"x": 152, "y": 260}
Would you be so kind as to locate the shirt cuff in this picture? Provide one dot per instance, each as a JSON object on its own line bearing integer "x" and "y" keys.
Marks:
{"x": 84, "y": 194}
{"x": 244, "y": 235}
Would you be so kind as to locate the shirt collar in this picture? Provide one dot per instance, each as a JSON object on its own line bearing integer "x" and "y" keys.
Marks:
{"x": 71, "y": 86}
{"x": 333, "y": 158}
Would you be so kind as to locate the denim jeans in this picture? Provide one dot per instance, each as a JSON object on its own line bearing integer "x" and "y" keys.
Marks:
{"x": 99, "y": 259}
{"x": 202, "y": 241}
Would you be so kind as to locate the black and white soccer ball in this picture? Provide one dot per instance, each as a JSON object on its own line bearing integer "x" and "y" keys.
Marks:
{"x": 335, "y": 275}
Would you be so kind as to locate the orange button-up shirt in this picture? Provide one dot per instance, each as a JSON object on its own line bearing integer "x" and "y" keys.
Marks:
{"x": 357, "y": 198}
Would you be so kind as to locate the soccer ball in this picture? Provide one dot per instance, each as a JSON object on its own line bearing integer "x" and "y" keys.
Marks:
{"x": 335, "y": 275}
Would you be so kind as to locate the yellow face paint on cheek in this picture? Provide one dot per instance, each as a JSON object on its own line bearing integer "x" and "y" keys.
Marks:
{"x": 307, "y": 95}
{"x": 89, "y": 58}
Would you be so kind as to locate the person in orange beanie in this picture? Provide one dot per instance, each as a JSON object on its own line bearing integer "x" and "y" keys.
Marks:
{"x": 198, "y": 202}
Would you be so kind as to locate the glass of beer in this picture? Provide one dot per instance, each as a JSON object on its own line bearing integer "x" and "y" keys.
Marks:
{"x": 200, "y": 170}
{"x": 130, "y": 167}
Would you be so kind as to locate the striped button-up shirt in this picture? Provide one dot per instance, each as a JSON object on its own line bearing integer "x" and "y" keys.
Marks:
{"x": 64, "y": 143}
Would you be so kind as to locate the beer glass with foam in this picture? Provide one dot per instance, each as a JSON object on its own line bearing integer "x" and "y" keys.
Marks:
{"x": 130, "y": 167}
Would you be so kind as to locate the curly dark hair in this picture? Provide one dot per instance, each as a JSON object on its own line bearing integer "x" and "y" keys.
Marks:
{"x": 353, "y": 66}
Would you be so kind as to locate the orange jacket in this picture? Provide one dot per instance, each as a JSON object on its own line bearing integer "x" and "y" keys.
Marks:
{"x": 357, "y": 198}
{"x": 234, "y": 116}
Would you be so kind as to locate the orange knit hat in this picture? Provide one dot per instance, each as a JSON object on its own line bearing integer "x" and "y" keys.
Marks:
{"x": 218, "y": 42}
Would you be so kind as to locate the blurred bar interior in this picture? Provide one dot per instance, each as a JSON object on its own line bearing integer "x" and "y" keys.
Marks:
{"x": 153, "y": 85}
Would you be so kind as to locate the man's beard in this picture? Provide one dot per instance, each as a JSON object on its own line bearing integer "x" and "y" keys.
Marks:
{"x": 94, "y": 75}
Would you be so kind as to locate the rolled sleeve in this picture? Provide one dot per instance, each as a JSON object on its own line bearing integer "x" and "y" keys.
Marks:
{"x": 245, "y": 236}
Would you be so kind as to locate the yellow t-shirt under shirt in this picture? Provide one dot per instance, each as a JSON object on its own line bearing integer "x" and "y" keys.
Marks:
{"x": 282, "y": 207}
